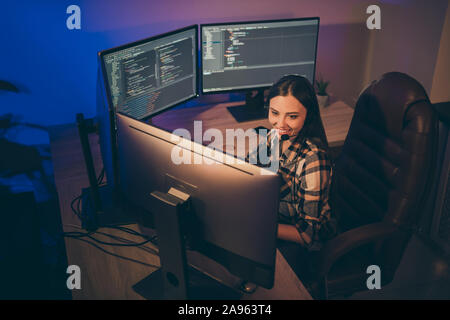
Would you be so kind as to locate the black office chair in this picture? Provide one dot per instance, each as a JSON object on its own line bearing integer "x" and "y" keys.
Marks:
{"x": 380, "y": 184}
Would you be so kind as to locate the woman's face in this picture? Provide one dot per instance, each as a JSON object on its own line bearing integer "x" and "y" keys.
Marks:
{"x": 287, "y": 115}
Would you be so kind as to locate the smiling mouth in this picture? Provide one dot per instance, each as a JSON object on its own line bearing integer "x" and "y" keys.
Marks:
{"x": 284, "y": 131}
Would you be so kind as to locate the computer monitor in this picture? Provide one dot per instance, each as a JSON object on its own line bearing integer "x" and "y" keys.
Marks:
{"x": 234, "y": 202}
{"x": 148, "y": 76}
{"x": 141, "y": 79}
{"x": 242, "y": 56}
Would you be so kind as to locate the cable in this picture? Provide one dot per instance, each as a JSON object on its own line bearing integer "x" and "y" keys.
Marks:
{"x": 142, "y": 247}
{"x": 116, "y": 255}
{"x": 76, "y": 234}
{"x": 80, "y": 235}
{"x": 153, "y": 239}
{"x": 129, "y": 243}
{"x": 101, "y": 177}
{"x": 76, "y": 212}
{"x": 118, "y": 244}
{"x": 131, "y": 231}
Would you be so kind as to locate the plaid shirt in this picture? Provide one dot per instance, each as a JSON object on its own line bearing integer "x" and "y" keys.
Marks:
{"x": 306, "y": 173}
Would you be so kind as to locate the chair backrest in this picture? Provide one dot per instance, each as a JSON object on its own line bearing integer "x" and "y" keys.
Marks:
{"x": 386, "y": 161}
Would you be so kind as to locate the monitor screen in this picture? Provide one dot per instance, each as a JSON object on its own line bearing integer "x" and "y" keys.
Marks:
{"x": 148, "y": 76}
{"x": 252, "y": 55}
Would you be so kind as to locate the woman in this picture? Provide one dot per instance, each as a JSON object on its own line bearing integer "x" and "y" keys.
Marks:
{"x": 304, "y": 213}
{"x": 303, "y": 164}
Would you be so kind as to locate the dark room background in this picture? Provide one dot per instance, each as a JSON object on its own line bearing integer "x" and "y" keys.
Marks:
{"x": 54, "y": 68}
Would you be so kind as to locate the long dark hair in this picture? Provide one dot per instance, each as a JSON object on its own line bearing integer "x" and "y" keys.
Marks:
{"x": 300, "y": 88}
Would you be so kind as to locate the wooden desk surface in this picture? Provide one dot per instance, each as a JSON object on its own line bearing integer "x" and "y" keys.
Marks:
{"x": 104, "y": 276}
{"x": 336, "y": 120}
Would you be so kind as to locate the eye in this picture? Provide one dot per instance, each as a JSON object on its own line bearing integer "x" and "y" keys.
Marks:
{"x": 275, "y": 113}
{"x": 293, "y": 117}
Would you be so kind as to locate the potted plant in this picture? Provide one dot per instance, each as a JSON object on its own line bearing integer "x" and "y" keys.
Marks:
{"x": 322, "y": 95}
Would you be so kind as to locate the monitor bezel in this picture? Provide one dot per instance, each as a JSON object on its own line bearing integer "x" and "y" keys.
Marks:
{"x": 102, "y": 53}
{"x": 249, "y": 22}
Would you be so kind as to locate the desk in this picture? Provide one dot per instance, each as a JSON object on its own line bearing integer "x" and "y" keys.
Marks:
{"x": 108, "y": 277}
{"x": 336, "y": 120}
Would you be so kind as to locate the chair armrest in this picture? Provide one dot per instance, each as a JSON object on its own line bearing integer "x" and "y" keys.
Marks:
{"x": 347, "y": 241}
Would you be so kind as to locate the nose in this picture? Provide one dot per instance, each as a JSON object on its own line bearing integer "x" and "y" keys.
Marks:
{"x": 282, "y": 122}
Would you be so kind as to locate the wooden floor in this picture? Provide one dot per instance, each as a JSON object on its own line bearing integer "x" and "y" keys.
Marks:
{"x": 104, "y": 276}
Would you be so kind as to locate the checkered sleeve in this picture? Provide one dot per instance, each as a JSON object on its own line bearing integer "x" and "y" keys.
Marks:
{"x": 313, "y": 186}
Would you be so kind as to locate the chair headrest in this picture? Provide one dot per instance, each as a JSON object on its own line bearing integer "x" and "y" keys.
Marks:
{"x": 385, "y": 102}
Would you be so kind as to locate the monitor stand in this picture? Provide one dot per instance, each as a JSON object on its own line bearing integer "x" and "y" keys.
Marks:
{"x": 101, "y": 205}
{"x": 253, "y": 109}
{"x": 175, "y": 280}
{"x": 199, "y": 287}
